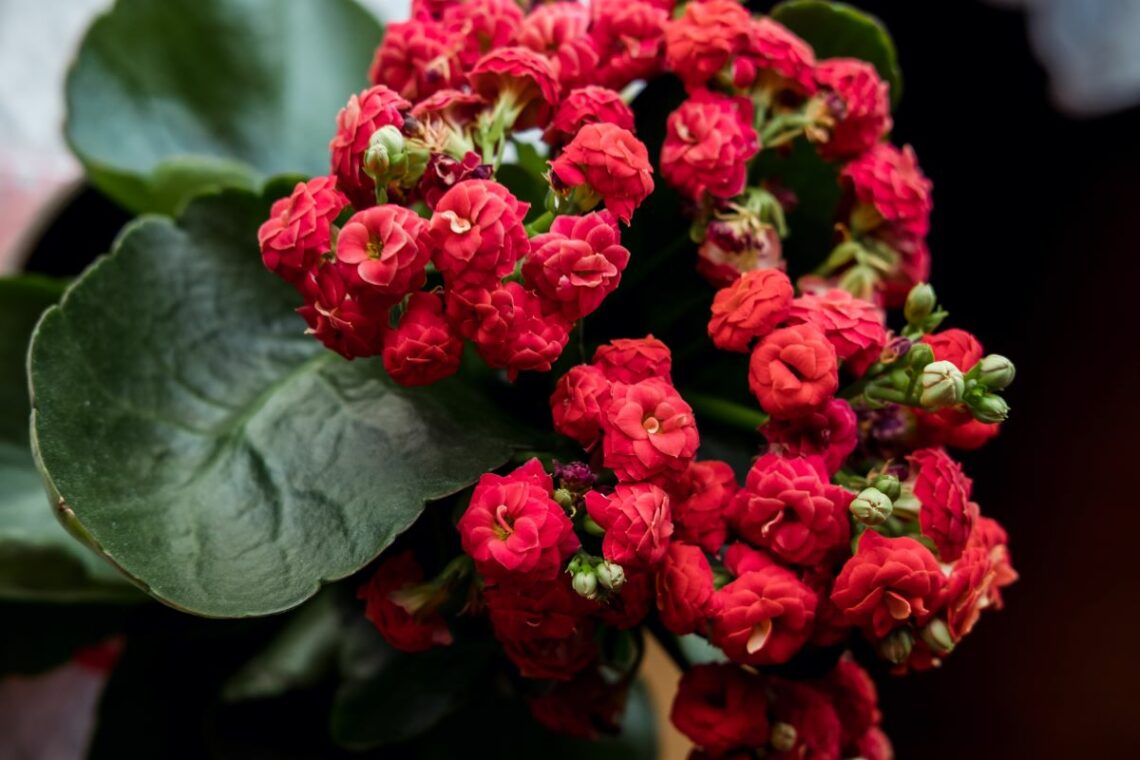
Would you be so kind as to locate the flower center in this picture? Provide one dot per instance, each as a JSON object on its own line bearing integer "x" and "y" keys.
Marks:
{"x": 373, "y": 248}
{"x": 897, "y": 606}
{"x": 759, "y": 636}
{"x": 504, "y": 528}
{"x": 651, "y": 424}
{"x": 458, "y": 224}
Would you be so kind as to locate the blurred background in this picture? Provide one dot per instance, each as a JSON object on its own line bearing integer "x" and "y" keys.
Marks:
{"x": 1025, "y": 116}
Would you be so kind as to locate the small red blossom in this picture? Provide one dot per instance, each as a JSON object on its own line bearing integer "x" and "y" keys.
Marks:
{"x": 578, "y": 403}
{"x": 478, "y": 233}
{"x": 589, "y": 706}
{"x": 299, "y": 227}
{"x": 947, "y": 516}
{"x": 444, "y": 172}
{"x": 524, "y": 610}
{"x": 350, "y": 326}
{"x": 631, "y": 360}
{"x": 481, "y": 26}
{"x": 968, "y": 590}
{"x": 423, "y": 349}
{"x": 788, "y": 506}
{"x": 559, "y": 32}
{"x": 830, "y": 432}
{"x": 854, "y": 326}
{"x": 637, "y": 520}
{"x": 586, "y": 105}
{"x": 737, "y": 242}
{"x": 776, "y": 58}
{"x": 628, "y": 606}
{"x": 629, "y": 38}
{"x": 577, "y": 263}
{"x": 854, "y": 698}
{"x": 388, "y": 246}
{"x": 608, "y": 164}
{"x": 709, "y": 140}
{"x": 684, "y": 588}
{"x": 649, "y": 432}
{"x": 989, "y": 534}
{"x": 417, "y": 58}
{"x": 874, "y": 745}
{"x": 703, "y": 40}
{"x": 721, "y": 708}
{"x": 958, "y": 347}
{"x": 861, "y": 106}
{"x": 890, "y": 181}
{"x": 520, "y": 77}
{"x": 516, "y": 333}
{"x": 513, "y": 526}
{"x": 793, "y": 370}
{"x": 554, "y": 659}
{"x": 763, "y": 617}
{"x": 810, "y": 712}
{"x": 887, "y": 583}
{"x": 365, "y": 113}
{"x": 700, "y": 504}
{"x": 401, "y": 626}
{"x": 749, "y": 308}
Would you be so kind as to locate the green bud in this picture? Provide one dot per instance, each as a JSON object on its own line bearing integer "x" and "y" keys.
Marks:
{"x": 386, "y": 157}
{"x": 782, "y": 736}
{"x": 919, "y": 355}
{"x": 942, "y": 385}
{"x": 994, "y": 372}
{"x": 936, "y": 634}
{"x": 920, "y": 303}
{"x": 871, "y": 507}
{"x": 611, "y": 576}
{"x": 564, "y": 498}
{"x": 989, "y": 408}
{"x": 585, "y": 584}
{"x": 896, "y": 647}
{"x": 888, "y": 484}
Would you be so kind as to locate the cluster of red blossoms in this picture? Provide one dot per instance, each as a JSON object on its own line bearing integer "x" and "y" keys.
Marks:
{"x": 411, "y": 247}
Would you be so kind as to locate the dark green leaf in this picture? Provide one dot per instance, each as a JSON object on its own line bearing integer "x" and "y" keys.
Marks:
{"x": 224, "y": 460}
{"x": 837, "y": 30}
{"x": 22, "y": 301}
{"x": 167, "y": 99}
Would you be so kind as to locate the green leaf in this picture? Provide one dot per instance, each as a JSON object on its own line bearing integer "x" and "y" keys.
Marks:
{"x": 38, "y": 560}
{"x": 225, "y": 461}
{"x": 837, "y": 30}
{"x": 168, "y": 99}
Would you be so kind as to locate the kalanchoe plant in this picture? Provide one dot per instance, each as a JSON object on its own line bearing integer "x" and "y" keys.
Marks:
{"x": 232, "y": 441}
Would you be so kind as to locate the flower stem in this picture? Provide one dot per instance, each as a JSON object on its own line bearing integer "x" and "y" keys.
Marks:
{"x": 541, "y": 224}
{"x": 726, "y": 413}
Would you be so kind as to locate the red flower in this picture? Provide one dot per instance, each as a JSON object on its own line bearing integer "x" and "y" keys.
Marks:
{"x": 609, "y": 164}
{"x": 860, "y": 105}
{"x": 556, "y": 659}
{"x": 771, "y": 48}
{"x": 629, "y": 38}
{"x": 749, "y": 308}
{"x": 684, "y": 588}
{"x": 989, "y": 534}
{"x": 887, "y": 583}
{"x": 874, "y": 745}
{"x": 968, "y": 590}
{"x": 402, "y": 627}
{"x": 513, "y": 526}
{"x": 793, "y": 371}
{"x": 721, "y": 708}
{"x": 709, "y": 140}
{"x": 586, "y": 105}
{"x": 648, "y": 432}
{"x": 830, "y": 432}
{"x": 515, "y": 334}
{"x": 700, "y": 503}
{"x": 631, "y": 360}
{"x": 890, "y": 181}
{"x": 444, "y": 172}
{"x": 854, "y": 326}
{"x": 522, "y": 610}
{"x": 577, "y": 264}
{"x": 388, "y": 247}
{"x": 588, "y": 706}
{"x": 854, "y": 698}
{"x": 559, "y": 31}
{"x": 417, "y": 58}
{"x": 740, "y": 558}
{"x": 946, "y": 516}
{"x": 953, "y": 428}
{"x": 811, "y": 714}
{"x": 422, "y": 349}
{"x": 704, "y": 38}
{"x": 628, "y": 606}
{"x": 365, "y": 113}
{"x": 299, "y": 228}
{"x": 481, "y": 26}
{"x": 577, "y": 404}
{"x": 521, "y": 78}
{"x": 351, "y": 327}
{"x": 478, "y": 233}
{"x": 788, "y": 506}
{"x": 958, "y": 347}
{"x": 763, "y": 617}
{"x": 637, "y": 521}
{"x": 736, "y": 242}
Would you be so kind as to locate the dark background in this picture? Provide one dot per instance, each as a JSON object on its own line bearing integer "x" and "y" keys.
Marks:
{"x": 1035, "y": 251}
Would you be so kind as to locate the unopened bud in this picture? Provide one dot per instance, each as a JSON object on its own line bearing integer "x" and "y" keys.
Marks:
{"x": 782, "y": 736}
{"x": 871, "y": 507}
{"x": 994, "y": 372}
{"x": 920, "y": 303}
{"x": 936, "y": 634}
{"x": 989, "y": 408}
{"x": 942, "y": 385}
{"x": 611, "y": 576}
{"x": 919, "y": 355}
{"x": 585, "y": 584}
{"x": 386, "y": 150}
{"x": 888, "y": 484}
{"x": 564, "y": 498}
{"x": 896, "y": 647}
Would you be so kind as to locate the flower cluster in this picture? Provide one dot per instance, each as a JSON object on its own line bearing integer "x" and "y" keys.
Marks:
{"x": 412, "y": 246}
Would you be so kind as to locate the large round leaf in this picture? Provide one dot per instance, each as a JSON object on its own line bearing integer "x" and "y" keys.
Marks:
{"x": 166, "y": 99}
{"x": 224, "y": 460}
{"x": 38, "y": 560}
{"x": 837, "y": 30}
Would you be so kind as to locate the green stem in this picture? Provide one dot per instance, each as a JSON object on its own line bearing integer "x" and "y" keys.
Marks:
{"x": 541, "y": 224}
{"x": 726, "y": 413}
